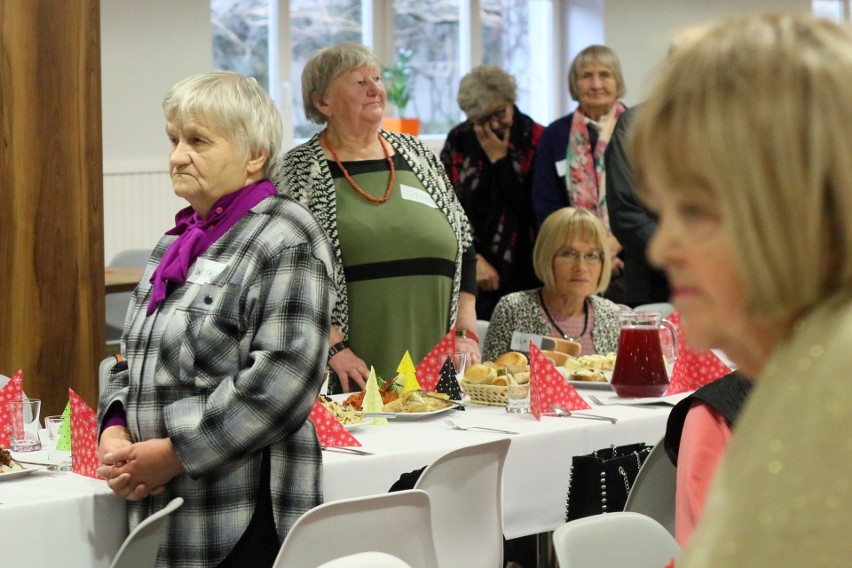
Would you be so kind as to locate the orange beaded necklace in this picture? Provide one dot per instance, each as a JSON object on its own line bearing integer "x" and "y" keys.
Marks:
{"x": 351, "y": 181}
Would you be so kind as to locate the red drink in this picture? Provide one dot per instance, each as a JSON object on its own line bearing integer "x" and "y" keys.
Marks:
{"x": 640, "y": 370}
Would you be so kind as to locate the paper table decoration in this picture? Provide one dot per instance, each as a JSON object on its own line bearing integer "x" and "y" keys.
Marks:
{"x": 448, "y": 384}
{"x": 548, "y": 386}
{"x": 692, "y": 369}
{"x": 84, "y": 437}
{"x": 409, "y": 374}
{"x": 429, "y": 369}
{"x": 373, "y": 399}
{"x": 13, "y": 390}
{"x": 64, "y": 442}
{"x": 330, "y": 432}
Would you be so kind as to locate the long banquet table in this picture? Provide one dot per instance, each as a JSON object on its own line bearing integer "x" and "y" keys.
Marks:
{"x": 48, "y": 518}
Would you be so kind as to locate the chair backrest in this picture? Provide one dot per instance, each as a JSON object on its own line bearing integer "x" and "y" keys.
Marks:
{"x": 481, "y": 330}
{"x": 653, "y": 492}
{"x": 367, "y": 560}
{"x": 664, "y": 308}
{"x": 614, "y": 539}
{"x": 117, "y": 302}
{"x": 466, "y": 488}
{"x": 398, "y": 523}
{"x": 140, "y": 547}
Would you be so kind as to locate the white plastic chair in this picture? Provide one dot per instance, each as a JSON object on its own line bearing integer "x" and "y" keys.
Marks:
{"x": 117, "y": 302}
{"x": 614, "y": 539}
{"x": 481, "y": 330}
{"x": 466, "y": 488}
{"x": 397, "y": 523}
{"x": 139, "y": 549}
{"x": 367, "y": 560}
{"x": 653, "y": 492}
{"x": 664, "y": 308}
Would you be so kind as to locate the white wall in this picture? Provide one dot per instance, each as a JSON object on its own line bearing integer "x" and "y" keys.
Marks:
{"x": 640, "y": 30}
{"x": 146, "y": 47}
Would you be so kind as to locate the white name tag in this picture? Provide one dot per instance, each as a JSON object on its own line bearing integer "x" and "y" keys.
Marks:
{"x": 521, "y": 341}
{"x": 205, "y": 271}
{"x": 560, "y": 168}
{"x": 413, "y": 194}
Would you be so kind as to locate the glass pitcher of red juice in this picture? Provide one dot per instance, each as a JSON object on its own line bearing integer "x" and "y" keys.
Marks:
{"x": 640, "y": 369}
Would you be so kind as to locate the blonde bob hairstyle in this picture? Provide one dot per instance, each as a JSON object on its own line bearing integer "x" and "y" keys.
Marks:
{"x": 756, "y": 117}
{"x": 482, "y": 86}
{"x": 234, "y": 105}
{"x": 602, "y": 55}
{"x": 563, "y": 226}
{"x": 326, "y": 65}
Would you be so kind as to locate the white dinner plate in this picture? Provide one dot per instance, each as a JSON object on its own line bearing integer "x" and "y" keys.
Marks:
{"x": 355, "y": 425}
{"x": 410, "y": 415}
{"x": 17, "y": 474}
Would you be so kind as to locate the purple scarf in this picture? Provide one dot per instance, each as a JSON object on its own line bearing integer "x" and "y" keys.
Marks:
{"x": 196, "y": 235}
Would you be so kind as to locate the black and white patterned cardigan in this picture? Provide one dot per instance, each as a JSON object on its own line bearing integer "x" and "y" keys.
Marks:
{"x": 304, "y": 174}
{"x": 521, "y": 311}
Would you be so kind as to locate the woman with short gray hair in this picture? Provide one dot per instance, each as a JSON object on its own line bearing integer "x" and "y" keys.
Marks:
{"x": 489, "y": 159}
{"x": 405, "y": 267}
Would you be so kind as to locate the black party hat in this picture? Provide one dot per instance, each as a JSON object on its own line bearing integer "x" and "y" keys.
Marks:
{"x": 448, "y": 384}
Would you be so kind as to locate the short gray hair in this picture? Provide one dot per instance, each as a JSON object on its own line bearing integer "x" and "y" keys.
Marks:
{"x": 602, "y": 55}
{"x": 233, "y": 104}
{"x": 324, "y": 66}
{"x": 483, "y": 85}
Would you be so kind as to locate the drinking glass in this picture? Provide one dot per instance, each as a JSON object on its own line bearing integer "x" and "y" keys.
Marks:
{"x": 517, "y": 396}
{"x": 460, "y": 362}
{"x": 24, "y": 415}
{"x": 60, "y": 459}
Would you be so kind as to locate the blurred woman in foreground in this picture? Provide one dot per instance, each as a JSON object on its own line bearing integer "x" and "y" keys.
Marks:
{"x": 754, "y": 195}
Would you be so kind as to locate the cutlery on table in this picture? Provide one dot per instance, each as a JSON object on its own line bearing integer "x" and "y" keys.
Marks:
{"x": 647, "y": 405}
{"x": 455, "y": 426}
{"x": 346, "y": 450}
{"x": 559, "y": 411}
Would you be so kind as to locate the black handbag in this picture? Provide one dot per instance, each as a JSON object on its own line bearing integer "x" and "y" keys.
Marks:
{"x": 600, "y": 482}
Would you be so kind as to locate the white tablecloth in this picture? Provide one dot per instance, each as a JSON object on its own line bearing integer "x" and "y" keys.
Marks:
{"x": 59, "y": 519}
{"x": 535, "y": 476}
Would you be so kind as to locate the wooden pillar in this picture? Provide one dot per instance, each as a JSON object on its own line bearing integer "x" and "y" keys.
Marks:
{"x": 51, "y": 198}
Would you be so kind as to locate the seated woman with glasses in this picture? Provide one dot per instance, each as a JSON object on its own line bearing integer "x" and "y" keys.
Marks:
{"x": 571, "y": 257}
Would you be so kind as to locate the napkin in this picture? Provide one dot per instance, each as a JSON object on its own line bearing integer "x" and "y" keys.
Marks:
{"x": 548, "y": 386}
{"x": 409, "y": 374}
{"x": 448, "y": 384}
{"x": 13, "y": 390}
{"x": 84, "y": 437}
{"x": 64, "y": 442}
{"x": 373, "y": 399}
{"x": 330, "y": 432}
{"x": 692, "y": 369}
{"x": 429, "y": 369}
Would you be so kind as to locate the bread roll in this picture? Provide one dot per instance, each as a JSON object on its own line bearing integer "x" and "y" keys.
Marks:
{"x": 557, "y": 357}
{"x": 572, "y": 348}
{"x": 512, "y": 359}
{"x": 522, "y": 378}
{"x": 480, "y": 374}
{"x": 503, "y": 381}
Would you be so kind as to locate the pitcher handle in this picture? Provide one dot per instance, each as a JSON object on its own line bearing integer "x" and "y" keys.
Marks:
{"x": 670, "y": 327}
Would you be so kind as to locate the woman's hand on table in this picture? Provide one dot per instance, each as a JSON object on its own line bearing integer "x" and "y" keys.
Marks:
{"x": 350, "y": 369}
{"x": 137, "y": 470}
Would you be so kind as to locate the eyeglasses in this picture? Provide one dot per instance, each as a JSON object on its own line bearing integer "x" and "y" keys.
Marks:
{"x": 497, "y": 115}
{"x": 593, "y": 257}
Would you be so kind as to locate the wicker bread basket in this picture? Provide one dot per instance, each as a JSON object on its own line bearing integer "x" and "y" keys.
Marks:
{"x": 486, "y": 395}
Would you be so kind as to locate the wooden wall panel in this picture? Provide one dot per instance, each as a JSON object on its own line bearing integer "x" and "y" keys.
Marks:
{"x": 51, "y": 198}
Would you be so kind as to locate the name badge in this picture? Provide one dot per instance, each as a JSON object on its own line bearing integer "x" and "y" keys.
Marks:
{"x": 521, "y": 341}
{"x": 413, "y": 194}
{"x": 204, "y": 271}
{"x": 560, "y": 167}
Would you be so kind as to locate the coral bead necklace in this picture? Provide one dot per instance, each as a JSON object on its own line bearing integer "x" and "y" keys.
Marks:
{"x": 351, "y": 181}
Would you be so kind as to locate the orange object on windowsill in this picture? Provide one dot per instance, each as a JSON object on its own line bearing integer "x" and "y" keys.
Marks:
{"x": 404, "y": 125}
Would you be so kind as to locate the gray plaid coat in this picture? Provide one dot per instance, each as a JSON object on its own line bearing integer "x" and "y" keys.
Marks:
{"x": 228, "y": 368}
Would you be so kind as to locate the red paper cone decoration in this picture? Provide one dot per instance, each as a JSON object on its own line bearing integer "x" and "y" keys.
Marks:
{"x": 330, "y": 431}
{"x": 693, "y": 369}
{"x": 429, "y": 369}
{"x": 548, "y": 386}
{"x": 13, "y": 390}
{"x": 84, "y": 437}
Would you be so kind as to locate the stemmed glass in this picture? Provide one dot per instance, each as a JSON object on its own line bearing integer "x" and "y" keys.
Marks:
{"x": 460, "y": 363}
{"x": 60, "y": 460}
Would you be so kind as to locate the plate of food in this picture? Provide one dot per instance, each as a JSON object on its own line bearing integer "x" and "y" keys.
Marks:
{"x": 365, "y": 421}
{"x": 10, "y": 469}
{"x": 589, "y": 371}
{"x": 416, "y": 405}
